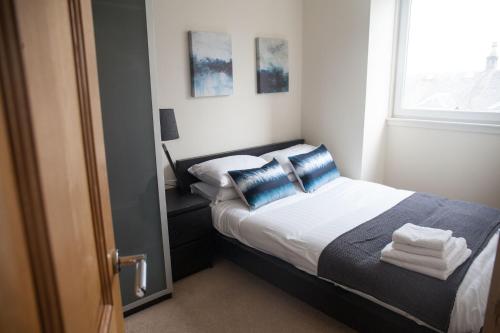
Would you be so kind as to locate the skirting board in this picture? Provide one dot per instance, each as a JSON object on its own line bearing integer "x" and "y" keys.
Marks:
{"x": 146, "y": 302}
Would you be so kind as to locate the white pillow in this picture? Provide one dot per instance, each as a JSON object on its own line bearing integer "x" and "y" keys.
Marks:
{"x": 282, "y": 156}
{"x": 214, "y": 172}
{"x": 214, "y": 193}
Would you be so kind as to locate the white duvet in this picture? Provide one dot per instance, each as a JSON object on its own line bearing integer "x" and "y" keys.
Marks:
{"x": 298, "y": 228}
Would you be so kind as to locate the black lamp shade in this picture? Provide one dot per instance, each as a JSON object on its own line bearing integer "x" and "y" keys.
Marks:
{"x": 168, "y": 125}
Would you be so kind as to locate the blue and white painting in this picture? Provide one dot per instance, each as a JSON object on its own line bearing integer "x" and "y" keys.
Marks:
{"x": 272, "y": 65}
{"x": 211, "y": 64}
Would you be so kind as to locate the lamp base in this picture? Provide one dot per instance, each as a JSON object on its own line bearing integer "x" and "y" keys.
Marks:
{"x": 179, "y": 187}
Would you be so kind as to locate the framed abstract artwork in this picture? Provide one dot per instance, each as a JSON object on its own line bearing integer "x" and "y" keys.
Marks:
{"x": 272, "y": 65}
{"x": 211, "y": 64}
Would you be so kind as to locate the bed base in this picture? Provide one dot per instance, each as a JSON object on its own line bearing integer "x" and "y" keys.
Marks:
{"x": 351, "y": 309}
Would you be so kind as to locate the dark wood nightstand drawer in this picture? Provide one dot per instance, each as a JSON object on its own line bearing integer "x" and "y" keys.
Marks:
{"x": 190, "y": 233}
{"x": 192, "y": 257}
{"x": 189, "y": 226}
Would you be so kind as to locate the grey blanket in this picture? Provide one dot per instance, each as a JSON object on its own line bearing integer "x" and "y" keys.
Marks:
{"x": 353, "y": 259}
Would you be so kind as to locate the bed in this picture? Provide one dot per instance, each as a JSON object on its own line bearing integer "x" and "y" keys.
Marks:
{"x": 282, "y": 243}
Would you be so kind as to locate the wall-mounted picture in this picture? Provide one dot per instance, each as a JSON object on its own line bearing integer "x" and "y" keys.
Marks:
{"x": 272, "y": 65}
{"x": 211, "y": 64}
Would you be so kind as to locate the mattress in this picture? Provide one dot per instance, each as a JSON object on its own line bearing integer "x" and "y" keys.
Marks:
{"x": 297, "y": 229}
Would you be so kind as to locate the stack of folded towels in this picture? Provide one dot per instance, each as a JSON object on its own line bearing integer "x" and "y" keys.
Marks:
{"x": 428, "y": 251}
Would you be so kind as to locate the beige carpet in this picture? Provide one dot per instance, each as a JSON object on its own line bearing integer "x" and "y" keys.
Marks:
{"x": 226, "y": 298}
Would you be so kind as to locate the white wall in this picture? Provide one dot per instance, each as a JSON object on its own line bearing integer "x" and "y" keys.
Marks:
{"x": 378, "y": 88}
{"x": 338, "y": 94}
{"x": 215, "y": 124}
{"x": 346, "y": 98}
{"x": 455, "y": 164}
{"x": 347, "y": 78}
{"x": 334, "y": 73}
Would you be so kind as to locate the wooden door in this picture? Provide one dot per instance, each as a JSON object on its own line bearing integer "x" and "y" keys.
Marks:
{"x": 56, "y": 231}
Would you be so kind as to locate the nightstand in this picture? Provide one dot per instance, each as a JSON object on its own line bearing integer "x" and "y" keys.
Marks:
{"x": 190, "y": 233}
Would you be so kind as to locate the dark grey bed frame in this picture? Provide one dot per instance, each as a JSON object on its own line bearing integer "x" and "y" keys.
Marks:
{"x": 351, "y": 309}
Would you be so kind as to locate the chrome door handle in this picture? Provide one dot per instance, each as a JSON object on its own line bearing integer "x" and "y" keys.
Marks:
{"x": 139, "y": 261}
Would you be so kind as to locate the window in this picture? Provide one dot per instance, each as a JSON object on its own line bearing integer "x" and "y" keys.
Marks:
{"x": 447, "y": 63}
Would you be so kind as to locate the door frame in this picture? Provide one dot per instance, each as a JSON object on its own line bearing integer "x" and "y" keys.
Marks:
{"x": 160, "y": 168}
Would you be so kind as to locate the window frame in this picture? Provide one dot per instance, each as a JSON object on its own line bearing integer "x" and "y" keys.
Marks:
{"x": 444, "y": 115}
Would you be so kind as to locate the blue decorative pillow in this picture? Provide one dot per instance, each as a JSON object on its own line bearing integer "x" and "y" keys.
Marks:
{"x": 314, "y": 169}
{"x": 260, "y": 186}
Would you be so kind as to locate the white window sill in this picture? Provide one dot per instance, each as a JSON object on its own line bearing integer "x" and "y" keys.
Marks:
{"x": 444, "y": 125}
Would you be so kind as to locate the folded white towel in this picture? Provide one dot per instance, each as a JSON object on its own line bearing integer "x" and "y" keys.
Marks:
{"x": 450, "y": 244}
{"x": 415, "y": 235}
{"x": 390, "y": 252}
{"x": 436, "y": 273}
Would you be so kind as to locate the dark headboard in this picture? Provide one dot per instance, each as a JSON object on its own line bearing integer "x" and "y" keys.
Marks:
{"x": 186, "y": 179}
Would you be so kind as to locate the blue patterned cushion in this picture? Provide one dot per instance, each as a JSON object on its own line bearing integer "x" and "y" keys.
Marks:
{"x": 314, "y": 169}
{"x": 260, "y": 186}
